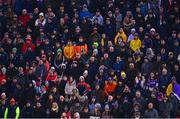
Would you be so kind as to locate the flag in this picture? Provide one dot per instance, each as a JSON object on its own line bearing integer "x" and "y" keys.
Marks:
{"x": 169, "y": 89}
{"x": 176, "y": 90}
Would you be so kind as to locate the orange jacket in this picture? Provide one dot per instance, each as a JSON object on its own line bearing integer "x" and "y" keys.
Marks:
{"x": 69, "y": 52}
{"x": 109, "y": 87}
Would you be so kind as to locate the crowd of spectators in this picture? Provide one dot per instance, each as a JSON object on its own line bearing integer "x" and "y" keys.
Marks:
{"x": 89, "y": 58}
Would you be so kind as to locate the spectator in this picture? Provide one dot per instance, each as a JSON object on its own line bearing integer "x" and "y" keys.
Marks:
{"x": 89, "y": 58}
{"x": 12, "y": 110}
{"x": 151, "y": 112}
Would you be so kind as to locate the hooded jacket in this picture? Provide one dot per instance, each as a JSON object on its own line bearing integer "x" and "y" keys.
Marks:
{"x": 69, "y": 51}
{"x": 110, "y": 87}
{"x": 69, "y": 87}
{"x": 135, "y": 44}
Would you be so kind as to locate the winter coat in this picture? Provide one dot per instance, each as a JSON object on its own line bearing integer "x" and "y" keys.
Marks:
{"x": 24, "y": 19}
{"x": 135, "y": 44}
{"x": 12, "y": 112}
{"x": 41, "y": 71}
{"x": 121, "y": 35}
{"x": 51, "y": 77}
{"x": 119, "y": 66}
{"x": 83, "y": 88}
{"x": 27, "y": 112}
{"x": 151, "y": 113}
{"x": 69, "y": 87}
{"x": 69, "y": 52}
{"x": 26, "y": 45}
{"x": 99, "y": 95}
{"x": 165, "y": 109}
{"x": 110, "y": 88}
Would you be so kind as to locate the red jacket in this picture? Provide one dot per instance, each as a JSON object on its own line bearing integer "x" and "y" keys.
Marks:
{"x": 2, "y": 77}
{"x": 51, "y": 77}
{"x": 26, "y": 45}
{"x": 24, "y": 19}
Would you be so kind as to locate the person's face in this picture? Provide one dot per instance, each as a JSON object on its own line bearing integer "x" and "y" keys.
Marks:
{"x": 12, "y": 103}
{"x": 36, "y": 10}
{"x": 152, "y": 74}
{"x": 78, "y": 56}
{"x": 97, "y": 87}
{"x": 24, "y": 12}
{"x": 38, "y": 105}
{"x": 70, "y": 79}
{"x": 97, "y": 13}
{"x": 150, "y": 106}
{"x": 92, "y": 59}
{"x": 118, "y": 59}
{"x": 106, "y": 55}
{"x": 165, "y": 99}
{"x": 138, "y": 94}
{"x": 63, "y": 116}
{"x": 176, "y": 67}
{"x": 54, "y": 90}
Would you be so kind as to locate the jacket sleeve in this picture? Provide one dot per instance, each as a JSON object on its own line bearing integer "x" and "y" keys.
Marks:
{"x": 17, "y": 113}
{"x": 116, "y": 38}
{"x": 6, "y": 113}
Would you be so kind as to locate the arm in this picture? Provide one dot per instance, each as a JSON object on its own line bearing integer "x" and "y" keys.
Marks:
{"x": 6, "y": 113}
{"x": 17, "y": 113}
{"x": 116, "y": 37}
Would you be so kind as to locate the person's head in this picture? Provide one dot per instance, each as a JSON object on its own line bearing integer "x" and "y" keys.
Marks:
{"x": 176, "y": 67}
{"x": 136, "y": 36}
{"x": 118, "y": 58}
{"x": 138, "y": 94}
{"x": 28, "y": 104}
{"x": 150, "y": 105}
{"x": 171, "y": 55}
{"x": 133, "y": 31}
{"x": 152, "y": 31}
{"x": 61, "y": 98}
{"x": 76, "y": 115}
{"x": 121, "y": 30}
{"x": 38, "y": 105}
{"x": 85, "y": 73}
{"x": 71, "y": 79}
{"x": 164, "y": 71}
{"x": 97, "y": 87}
{"x": 24, "y": 11}
{"x": 54, "y": 105}
{"x": 64, "y": 116}
{"x": 50, "y": 97}
{"x": 36, "y": 10}
{"x": 106, "y": 55}
{"x": 86, "y": 110}
{"x": 54, "y": 89}
{"x": 81, "y": 78}
{"x": 12, "y": 102}
{"x": 131, "y": 65}
{"x": 3, "y": 96}
{"x": 98, "y": 12}
{"x": 78, "y": 55}
{"x": 106, "y": 108}
{"x": 110, "y": 98}
{"x": 92, "y": 59}
{"x": 165, "y": 98}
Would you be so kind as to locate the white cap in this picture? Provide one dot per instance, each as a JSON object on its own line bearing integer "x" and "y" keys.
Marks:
{"x": 152, "y": 29}
{"x": 133, "y": 30}
{"x": 41, "y": 14}
{"x": 52, "y": 68}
